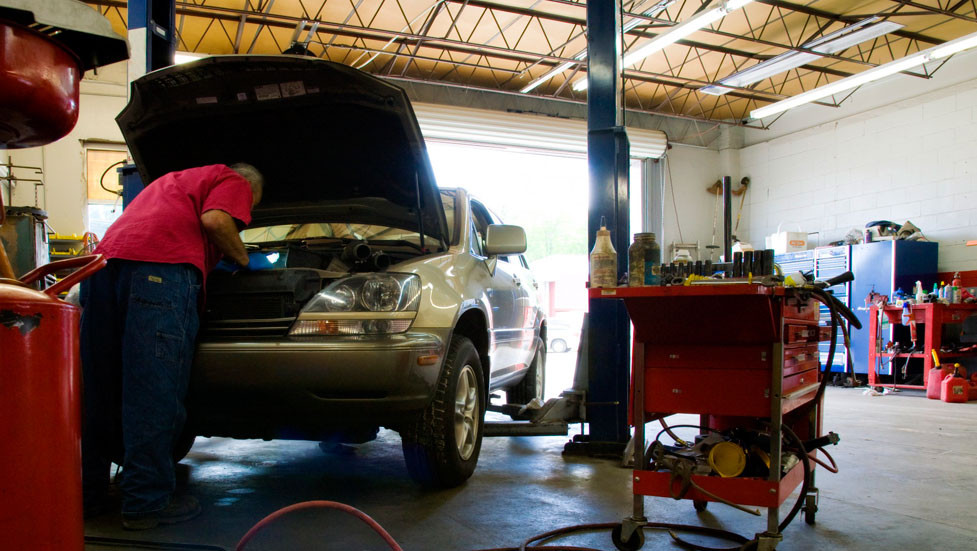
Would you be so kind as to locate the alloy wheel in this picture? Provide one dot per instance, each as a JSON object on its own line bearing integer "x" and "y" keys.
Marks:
{"x": 466, "y": 412}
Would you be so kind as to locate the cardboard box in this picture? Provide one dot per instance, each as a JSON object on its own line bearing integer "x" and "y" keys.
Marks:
{"x": 787, "y": 241}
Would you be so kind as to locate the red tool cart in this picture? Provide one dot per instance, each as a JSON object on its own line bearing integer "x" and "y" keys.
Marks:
{"x": 931, "y": 316}
{"x": 738, "y": 355}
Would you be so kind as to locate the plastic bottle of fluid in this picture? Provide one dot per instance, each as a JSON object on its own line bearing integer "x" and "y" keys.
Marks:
{"x": 603, "y": 259}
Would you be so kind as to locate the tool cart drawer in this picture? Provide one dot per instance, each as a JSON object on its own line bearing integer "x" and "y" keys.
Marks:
{"x": 803, "y": 358}
{"x": 795, "y": 333}
{"x": 708, "y": 357}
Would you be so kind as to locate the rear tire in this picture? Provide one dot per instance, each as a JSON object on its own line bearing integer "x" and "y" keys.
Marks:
{"x": 533, "y": 383}
{"x": 441, "y": 446}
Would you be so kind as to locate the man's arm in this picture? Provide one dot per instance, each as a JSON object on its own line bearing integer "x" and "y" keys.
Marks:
{"x": 222, "y": 231}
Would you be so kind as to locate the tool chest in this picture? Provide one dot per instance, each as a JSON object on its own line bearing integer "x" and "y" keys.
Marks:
{"x": 737, "y": 355}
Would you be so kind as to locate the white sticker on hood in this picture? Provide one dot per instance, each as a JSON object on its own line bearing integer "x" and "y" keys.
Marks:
{"x": 292, "y": 89}
{"x": 268, "y": 91}
{"x": 242, "y": 96}
{"x": 207, "y": 99}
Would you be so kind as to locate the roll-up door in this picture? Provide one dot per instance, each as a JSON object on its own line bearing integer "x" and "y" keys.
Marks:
{"x": 479, "y": 126}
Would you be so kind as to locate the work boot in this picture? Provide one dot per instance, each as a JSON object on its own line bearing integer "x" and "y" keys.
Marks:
{"x": 180, "y": 509}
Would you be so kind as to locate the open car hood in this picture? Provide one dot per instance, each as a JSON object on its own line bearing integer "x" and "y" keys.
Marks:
{"x": 327, "y": 137}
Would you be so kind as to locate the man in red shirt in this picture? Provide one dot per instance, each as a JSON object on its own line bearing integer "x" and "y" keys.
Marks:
{"x": 139, "y": 326}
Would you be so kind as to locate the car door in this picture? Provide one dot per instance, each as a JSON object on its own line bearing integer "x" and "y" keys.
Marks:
{"x": 528, "y": 305}
{"x": 525, "y": 305}
{"x": 506, "y": 323}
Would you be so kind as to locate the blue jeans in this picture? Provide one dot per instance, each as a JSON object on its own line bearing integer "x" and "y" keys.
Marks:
{"x": 138, "y": 330}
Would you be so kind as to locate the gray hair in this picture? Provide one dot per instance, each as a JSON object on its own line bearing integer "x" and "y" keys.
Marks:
{"x": 252, "y": 175}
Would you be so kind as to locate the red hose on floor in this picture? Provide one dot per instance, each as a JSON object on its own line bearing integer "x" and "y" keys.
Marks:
{"x": 319, "y": 505}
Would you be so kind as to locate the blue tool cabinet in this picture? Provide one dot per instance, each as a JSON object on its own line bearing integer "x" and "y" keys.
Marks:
{"x": 884, "y": 267}
{"x": 824, "y": 263}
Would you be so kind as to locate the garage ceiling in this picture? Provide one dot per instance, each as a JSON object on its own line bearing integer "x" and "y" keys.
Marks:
{"x": 504, "y": 45}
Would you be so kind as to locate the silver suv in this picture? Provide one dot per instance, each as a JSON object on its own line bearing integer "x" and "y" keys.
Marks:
{"x": 391, "y": 303}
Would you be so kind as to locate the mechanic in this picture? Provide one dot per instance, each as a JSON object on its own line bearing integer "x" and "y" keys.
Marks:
{"x": 138, "y": 330}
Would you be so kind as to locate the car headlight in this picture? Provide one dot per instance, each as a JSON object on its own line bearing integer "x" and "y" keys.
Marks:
{"x": 368, "y": 304}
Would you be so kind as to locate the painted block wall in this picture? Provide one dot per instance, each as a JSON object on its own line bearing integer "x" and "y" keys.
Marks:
{"x": 690, "y": 217}
{"x": 915, "y": 160}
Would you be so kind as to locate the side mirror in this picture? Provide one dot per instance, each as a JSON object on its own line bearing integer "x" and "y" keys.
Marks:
{"x": 501, "y": 239}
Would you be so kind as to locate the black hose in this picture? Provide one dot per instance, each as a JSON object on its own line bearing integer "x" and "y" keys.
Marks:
{"x": 101, "y": 180}
{"x": 806, "y": 461}
{"x": 542, "y": 538}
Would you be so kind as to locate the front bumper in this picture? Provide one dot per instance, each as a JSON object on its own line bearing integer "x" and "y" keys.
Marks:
{"x": 366, "y": 378}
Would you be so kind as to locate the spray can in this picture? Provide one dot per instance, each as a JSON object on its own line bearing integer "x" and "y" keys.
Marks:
{"x": 603, "y": 259}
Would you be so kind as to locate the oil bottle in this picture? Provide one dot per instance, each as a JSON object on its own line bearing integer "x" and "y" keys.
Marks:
{"x": 603, "y": 259}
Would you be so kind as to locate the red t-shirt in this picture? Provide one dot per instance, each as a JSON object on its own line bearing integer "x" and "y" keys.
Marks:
{"x": 162, "y": 224}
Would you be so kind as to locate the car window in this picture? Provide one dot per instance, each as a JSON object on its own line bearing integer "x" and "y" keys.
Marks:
{"x": 483, "y": 218}
{"x": 477, "y": 242}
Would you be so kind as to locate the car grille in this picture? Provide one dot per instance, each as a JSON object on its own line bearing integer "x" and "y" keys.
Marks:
{"x": 256, "y": 304}
{"x": 272, "y": 327}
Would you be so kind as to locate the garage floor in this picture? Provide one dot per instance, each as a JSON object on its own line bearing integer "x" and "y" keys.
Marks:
{"x": 907, "y": 481}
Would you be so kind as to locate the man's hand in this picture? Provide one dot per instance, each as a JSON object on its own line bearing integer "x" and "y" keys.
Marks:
{"x": 222, "y": 231}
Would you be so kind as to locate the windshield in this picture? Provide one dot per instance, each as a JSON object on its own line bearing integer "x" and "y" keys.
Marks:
{"x": 341, "y": 230}
{"x": 346, "y": 230}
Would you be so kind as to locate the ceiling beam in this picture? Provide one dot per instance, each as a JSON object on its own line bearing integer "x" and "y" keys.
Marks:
{"x": 807, "y": 10}
{"x": 937, "y": 11}
{"x": 486, "y": 4}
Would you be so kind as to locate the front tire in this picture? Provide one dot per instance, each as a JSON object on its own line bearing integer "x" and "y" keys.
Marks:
{"x": 441, "y": 446}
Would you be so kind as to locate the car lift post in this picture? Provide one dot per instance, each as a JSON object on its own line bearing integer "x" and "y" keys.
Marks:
{"x": 152, "y": 37}
{"x": 608, "y": 366}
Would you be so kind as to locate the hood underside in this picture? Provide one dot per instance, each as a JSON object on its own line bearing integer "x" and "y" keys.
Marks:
{"x": 324, "y": 135}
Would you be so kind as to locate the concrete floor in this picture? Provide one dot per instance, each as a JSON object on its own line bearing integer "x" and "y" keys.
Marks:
{"x": 907, "y": 481}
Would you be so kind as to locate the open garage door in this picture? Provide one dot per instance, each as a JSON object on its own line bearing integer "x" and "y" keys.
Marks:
{"x": 479, "y": 126}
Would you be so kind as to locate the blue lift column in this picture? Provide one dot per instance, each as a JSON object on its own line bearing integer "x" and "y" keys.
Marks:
{"x": 152, "y": 40}
{"x": 608, "y": 365}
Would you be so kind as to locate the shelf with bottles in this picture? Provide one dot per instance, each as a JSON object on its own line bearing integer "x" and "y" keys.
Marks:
{"x": 930, "y": 319}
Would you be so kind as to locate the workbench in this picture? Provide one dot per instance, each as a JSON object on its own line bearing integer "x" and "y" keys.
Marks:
{"x": 930, "y": 317}
{"x": 736, "y": 355}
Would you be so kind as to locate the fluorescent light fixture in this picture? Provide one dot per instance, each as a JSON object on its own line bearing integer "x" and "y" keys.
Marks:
{"x": 837, "y": 41}
{"x": 627, "y": 27}
{"x": 676, "y": 33}
{"x": 875, "y": 73}
{"x": 559, "y": 69}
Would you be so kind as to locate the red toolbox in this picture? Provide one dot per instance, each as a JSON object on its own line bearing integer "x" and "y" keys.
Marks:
{"x": 732, "y": 353}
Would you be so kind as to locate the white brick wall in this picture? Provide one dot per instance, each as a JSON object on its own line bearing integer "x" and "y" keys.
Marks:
{"x": 916, "y": 160}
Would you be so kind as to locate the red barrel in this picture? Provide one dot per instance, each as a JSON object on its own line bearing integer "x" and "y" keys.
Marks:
{"x": 40, "y": 405}
{"x": 954, "y": 389}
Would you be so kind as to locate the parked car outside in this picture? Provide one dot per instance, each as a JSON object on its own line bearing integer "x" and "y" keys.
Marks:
{"x": 563, "y": 333}
{"x": 391, "y": 303}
